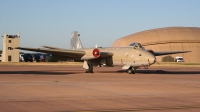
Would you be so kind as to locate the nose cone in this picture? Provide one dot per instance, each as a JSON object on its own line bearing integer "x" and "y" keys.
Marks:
{"x": 151, "y": 58}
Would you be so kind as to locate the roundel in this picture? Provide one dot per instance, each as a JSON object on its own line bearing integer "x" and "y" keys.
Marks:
{"x": 96, "y": 53}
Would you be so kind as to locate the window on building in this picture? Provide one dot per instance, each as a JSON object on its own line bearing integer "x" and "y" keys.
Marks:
{"x": 10, "y": 48}
{"x": 9, "y": 41}
{"x": 9, "y": 58}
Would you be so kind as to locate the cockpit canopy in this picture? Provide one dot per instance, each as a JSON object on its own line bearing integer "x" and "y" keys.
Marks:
{"x": 136, "y": 45}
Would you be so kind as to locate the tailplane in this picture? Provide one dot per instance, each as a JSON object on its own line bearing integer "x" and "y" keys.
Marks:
{"x": 75, "y": 41}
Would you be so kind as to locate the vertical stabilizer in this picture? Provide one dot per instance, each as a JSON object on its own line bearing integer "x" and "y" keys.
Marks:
{"x": 75, "y": 41}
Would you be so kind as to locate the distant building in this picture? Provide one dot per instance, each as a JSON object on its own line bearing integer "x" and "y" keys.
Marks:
{"x": 167, "y": 39}
{"x": 9, "y": 54}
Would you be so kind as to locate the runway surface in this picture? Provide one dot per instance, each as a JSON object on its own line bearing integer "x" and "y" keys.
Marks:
{"x": 68, "y": 88}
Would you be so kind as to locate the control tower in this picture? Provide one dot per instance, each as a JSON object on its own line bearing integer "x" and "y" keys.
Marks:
{"x": 9, "y": 54}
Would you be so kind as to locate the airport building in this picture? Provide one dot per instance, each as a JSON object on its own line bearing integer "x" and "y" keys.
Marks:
{"x": 9, "y": 54}
{"x": 167, "y": 39}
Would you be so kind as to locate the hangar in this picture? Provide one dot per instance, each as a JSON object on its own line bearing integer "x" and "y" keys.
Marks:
{"x": 167, "y": 39}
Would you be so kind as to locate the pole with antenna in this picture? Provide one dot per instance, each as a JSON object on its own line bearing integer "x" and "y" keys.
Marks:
{"x": 4, "y": 26}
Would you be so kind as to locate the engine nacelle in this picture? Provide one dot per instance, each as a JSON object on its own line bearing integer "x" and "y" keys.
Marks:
{"x": 91, "y": 54}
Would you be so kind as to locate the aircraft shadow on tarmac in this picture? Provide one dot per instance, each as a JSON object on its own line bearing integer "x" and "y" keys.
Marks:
{"x": 163, "y": 72}
{"x": 68, "y": 72}
{"x": 36, "y": 72}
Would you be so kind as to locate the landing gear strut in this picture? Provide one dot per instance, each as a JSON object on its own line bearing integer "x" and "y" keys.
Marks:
{"x": 131, "y": 70}
{"x": 90, "y": 69}
{"x": 88, "y": 66}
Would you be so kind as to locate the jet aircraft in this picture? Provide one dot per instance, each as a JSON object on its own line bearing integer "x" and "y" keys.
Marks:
{"x": 130, "y": 58}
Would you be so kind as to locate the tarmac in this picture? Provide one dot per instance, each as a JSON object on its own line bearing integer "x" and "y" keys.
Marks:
{"x": 69, "y": 89}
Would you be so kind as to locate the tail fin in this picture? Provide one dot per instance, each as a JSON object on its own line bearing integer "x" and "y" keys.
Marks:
{"x": 75, "y": 41}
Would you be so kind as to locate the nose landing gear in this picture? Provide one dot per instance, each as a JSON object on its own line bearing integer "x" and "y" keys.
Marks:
{"x": 131, "y": 70}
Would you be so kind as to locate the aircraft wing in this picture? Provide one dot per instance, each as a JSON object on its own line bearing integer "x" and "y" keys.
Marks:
{"x": 63, "y": 52}
{"x": 50, "y": 47}
{"x": 81, "y": 54}
{"x": 169, "y": 52}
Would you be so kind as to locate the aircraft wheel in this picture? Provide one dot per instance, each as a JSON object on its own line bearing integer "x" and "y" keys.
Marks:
{"x": 89, "y": 71}
{"x": 133, "y": 70}
{"x": 130, "y": 71}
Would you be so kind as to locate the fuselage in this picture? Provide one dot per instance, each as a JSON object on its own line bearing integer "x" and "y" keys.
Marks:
{"x": 130, "y": 56}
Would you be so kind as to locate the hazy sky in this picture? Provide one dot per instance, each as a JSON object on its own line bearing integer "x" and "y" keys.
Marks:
{"x": 101, "y": 22}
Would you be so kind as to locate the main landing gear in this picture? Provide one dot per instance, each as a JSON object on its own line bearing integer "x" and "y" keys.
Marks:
{"x": 90, "y": 69}
{"x": 88, "y": 66}
{"x": 131, "y": 70}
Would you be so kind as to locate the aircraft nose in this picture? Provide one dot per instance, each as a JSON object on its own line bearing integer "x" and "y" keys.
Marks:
{"x": 151, "y": 59}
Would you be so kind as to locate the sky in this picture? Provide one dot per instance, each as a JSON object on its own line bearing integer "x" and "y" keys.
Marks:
{"x": 101, "y": 22}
